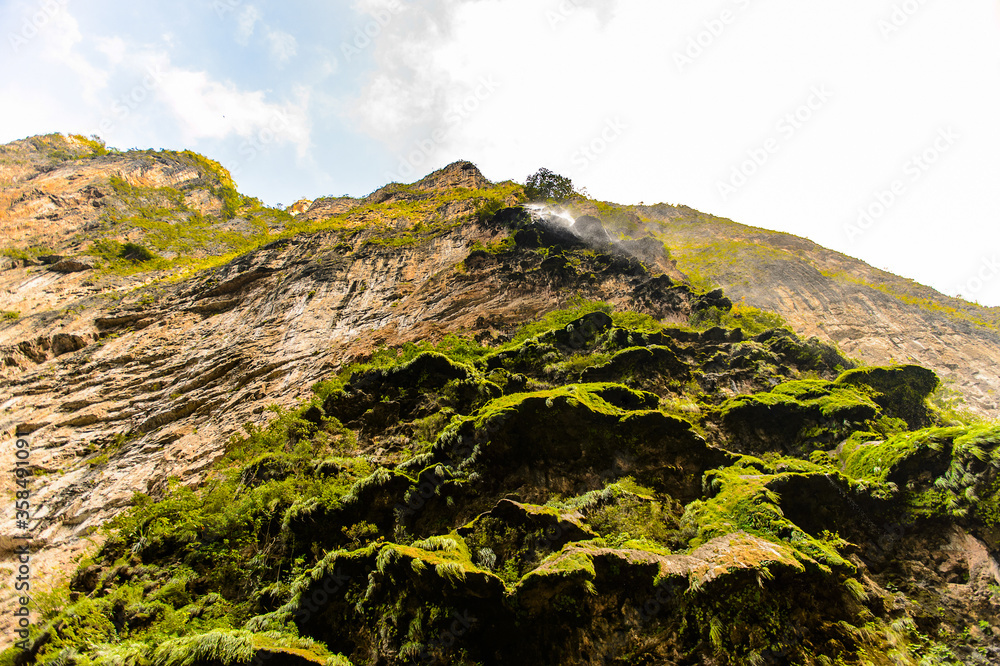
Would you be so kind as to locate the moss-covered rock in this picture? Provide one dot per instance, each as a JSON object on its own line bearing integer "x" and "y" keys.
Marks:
{"x": 736, "y": 599}
{"x": 568, "y": 439}
{"x": 375, "y": 401}
{"x": 796, "y": 417}
{"x": 512, "y": 538}
{"x": 435, "y": 501}
{"x": 901, "y": 391}
{"x": 936, "y": 473}
{"x": 426, "y": 602}
{"x": 640, "y": 363}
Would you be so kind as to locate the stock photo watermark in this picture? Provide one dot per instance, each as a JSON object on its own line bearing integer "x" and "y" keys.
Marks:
{"x": 365, "y": 36}
{"x": 784, "y": 131}
{"x": 562, "y": 13}
{"x": 34, "y": 23}
{"x": 914, "y": 169}
{"x": 421, "y": 152}
{"x": 22, "y": 517}
{"x": 987, "y": 270}
{"x": 593, "y": 149}
{"x": 123, "y": 107}
{"x": 259, "y": 142}
{"x": 712, "y": 30}
{"x": 902, "y": 13}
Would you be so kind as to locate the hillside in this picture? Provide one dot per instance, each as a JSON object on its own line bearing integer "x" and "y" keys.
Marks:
{"x": 870, "y": 314}
{"x": 406, "y": 427}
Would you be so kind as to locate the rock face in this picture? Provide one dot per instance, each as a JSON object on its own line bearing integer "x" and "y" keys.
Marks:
{"x": 430, "y": 504}
{"x": 871, "y": 314}
{"x": 588, "y": 458}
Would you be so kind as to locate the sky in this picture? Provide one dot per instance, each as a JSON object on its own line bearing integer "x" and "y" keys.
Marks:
{"x": 868, "y": 126}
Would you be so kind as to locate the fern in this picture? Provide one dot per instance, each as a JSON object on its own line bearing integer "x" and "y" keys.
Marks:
{"x": 715, "y": 632}
{"x": 226, "y": 647}
{"x": 452, "y": 571}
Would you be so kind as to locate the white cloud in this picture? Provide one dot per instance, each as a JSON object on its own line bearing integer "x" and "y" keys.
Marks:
{"x": 204, "y": 108}
{"x": 139, "y": 96}
{"x": 57, "y": 39}
{"x": 246, "y": 22}
{"x": 480, "y": 79}
{"x": 113, "y": 47}
{"x": 283, "y": 46}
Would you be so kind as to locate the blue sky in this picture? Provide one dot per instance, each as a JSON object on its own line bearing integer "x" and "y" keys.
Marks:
{"x": 869, "y": 126}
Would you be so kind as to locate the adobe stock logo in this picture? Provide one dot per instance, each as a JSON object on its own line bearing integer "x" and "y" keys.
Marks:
{"x": 902, "y": 14}
{"x": 122, "y": 107}
{"x": 786, "y": 129}
{"x": 712, "y": 30}
{"x": 988, "y": 270}
{"x": 915, "y": 168}
{"x": 35, "y": 23}
{"x": 421, "y": 152}
{"x": 587, "y": 154}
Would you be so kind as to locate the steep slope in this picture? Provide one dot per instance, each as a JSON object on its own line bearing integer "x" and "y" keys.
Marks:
{"x": 872, "y": 315}
{"x": 127, "y": 371}
{"x": 584, "y": 493}
{"x": 146, "y": 331}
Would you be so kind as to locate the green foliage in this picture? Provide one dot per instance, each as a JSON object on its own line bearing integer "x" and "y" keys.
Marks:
{"x": 10, "y": 315}
{"x": 988, "y": 506}
{"x": 126, "y": 257}
{"x": 544, "y": 185}
{"x": 799, "y": 416}
{"x": 901, "y": 391}
{"x": 208, "y": 166}
{"x": 743, "y": 501}
{"x": 578, "y": 307}
{"x": 96, "y": 145}
{"x": 488, "y": 208}
{"x": 499, "y": 247}
{"x": 29, "y": 255}
{"x": 620, "y": 219}
{"x": 752, "y": 320}
{"x": 405, "y": 506}
{"x": 949, "y": 407}
{"x": 629, "y": 517}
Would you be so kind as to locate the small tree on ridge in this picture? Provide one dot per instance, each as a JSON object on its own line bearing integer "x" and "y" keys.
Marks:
{"x": 544, "y": 184}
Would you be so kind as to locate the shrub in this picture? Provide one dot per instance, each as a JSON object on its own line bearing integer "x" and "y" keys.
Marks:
{"x": 489, "y": 208}
{"x": 544, "y": 185}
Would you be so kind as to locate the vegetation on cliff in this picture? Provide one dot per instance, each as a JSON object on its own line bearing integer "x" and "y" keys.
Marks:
{"x": 687, "y": 481}
{"x": 430, "y": 502}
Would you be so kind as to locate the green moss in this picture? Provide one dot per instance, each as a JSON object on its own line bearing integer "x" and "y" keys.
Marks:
{"x": 960, "y": 461}
{"x": 199, "y": 571}
{"x": 800, "y": 413}
{"x": 987, "y": 509}
{"x": 742, "y": 501}
{"x": 95, "y": 145}
{"x": 901, "y": 391}
{"x": 632, "y": 518}
{"x": 559, "y": 319}
{"x": 751, "y": 320}
{"x": 876, "y": 460}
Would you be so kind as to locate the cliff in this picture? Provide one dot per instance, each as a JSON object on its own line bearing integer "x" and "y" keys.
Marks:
{"x": 408, "y": 426}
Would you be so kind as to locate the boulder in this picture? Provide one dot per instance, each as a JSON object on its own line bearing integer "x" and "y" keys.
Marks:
{"x": 72, "y": 265}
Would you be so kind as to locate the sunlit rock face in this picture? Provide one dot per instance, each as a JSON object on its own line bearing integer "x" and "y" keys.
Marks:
{"x": 618, "y": 487}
